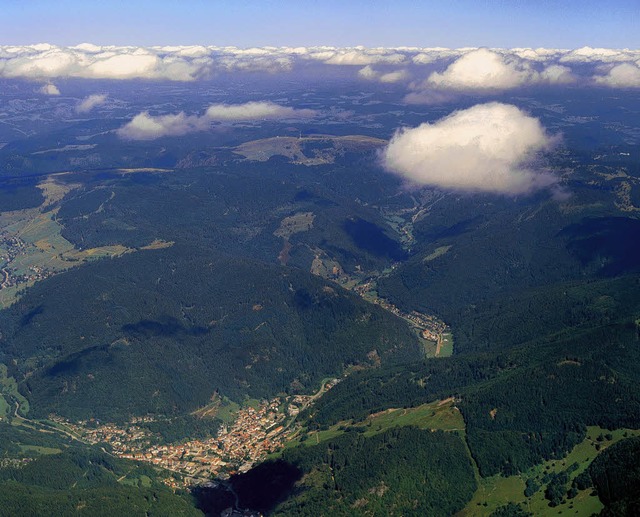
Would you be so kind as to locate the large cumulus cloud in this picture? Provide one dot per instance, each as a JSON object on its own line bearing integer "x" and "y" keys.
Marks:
{"x": 624, "y": 75}
{"x": 484, "y": 69}
{"x": 489, "y": 147}
{"x": 148, "y": 127}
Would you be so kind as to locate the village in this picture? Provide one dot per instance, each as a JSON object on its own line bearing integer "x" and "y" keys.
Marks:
{"x": 255, "y": 432}
{"x": 12, "y": 247}
{"x": 430, "y": 327}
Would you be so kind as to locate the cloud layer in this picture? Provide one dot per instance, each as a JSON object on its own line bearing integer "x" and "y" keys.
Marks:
{"x": 148, "y": 127}
{"x": 458, "y": 69}
{"x": 489, "y": 147}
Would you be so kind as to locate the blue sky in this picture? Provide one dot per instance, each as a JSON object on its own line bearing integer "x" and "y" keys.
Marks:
{"x": 447, "y": 23}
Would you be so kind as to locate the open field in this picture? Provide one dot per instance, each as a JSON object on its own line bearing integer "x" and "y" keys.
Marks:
{"x": 438, "y": 252}
{"x": 300, "y": 222}
{"x": 221, "y": 408}
{"x": 227, "y": 412}
{"x": 307, "y": 150}
{"x": 441, "y": 415}
{"x": 497, "y": 491}
{"x": 9, "y": 394}
{"x": 32, "y": 247}
{"x": 40, "y": 450}
{"x": 445, "y": 348}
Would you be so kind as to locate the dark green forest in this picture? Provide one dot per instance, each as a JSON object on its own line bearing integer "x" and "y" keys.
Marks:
{"x": 537, "y": 394}
{"x": 402, "y": 471}
{"x": 81, "y": 481}
{"x": 163, "y": 330}
{"x": 616, "y": 477}
{"x": 540, "y": 294}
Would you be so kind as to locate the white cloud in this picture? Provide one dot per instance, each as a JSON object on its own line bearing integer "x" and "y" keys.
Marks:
{"x": 599, "y": 55}
{"x": 626, "y": 75}
{"x": 49, "y": 89}
{"x": 90, "y": 102}
{"x": 468, "y": 68}
{"x": 557, "y": 74}
{"x": 360, "y": 56}
{"x": 489, "y": 147}
{"x": 148, "y": 127}
{"x": 428, "y": 56}
{"x": 395, "y": 76}
{"x": 255, "y": 111}
{"x": 538, "y": 54}
{"x": 481, "y": 69}
{"x": 124, "y": 66}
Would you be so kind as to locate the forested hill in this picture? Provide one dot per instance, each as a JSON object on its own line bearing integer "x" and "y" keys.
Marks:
{"x": 162, "y": 330}
{"x": 521, "y": 406}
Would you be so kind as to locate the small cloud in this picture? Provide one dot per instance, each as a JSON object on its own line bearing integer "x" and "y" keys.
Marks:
{"x": 90, "y": 102}
{"x": 49, "y": 89}
{"x": 486, "y": 148}
{"x": 148, "y": 127}
{"x": 625, "y": 75}
{"x": 368, "y": 73}
{"x": 255, "y": 111}
{"x": 395, "y": 76}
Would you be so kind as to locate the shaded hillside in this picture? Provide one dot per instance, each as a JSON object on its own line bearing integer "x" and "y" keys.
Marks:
{"x": 162, "y": 330}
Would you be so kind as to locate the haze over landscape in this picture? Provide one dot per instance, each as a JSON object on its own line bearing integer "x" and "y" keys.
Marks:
{"x": 301, "y": 258}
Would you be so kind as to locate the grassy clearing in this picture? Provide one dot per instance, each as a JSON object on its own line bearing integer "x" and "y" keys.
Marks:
{"x": 497, "y": 491}
{"x": 219, "y": 407}
{"x": 145, "y": 481}
{"x": 158, "y": 244}
{"x": 300, "y": 222}
{"x": 429, "y": 347}
{"x": 10, "y": 393}
{"x": 442, "y": 415}
{"x": 44, "y": 250}
{"x": 227, "y": 411}
{"x": 5, "y": 408}
{"x": 293, "y": 148}
{"x": 129, "y": 481}
{"x": 137, "y": 482}
{"x": 446, "y": 346}
{"x": 438, "y": 252}
{"x": 40, "y": 450}
{"x": 251, "y": 403}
